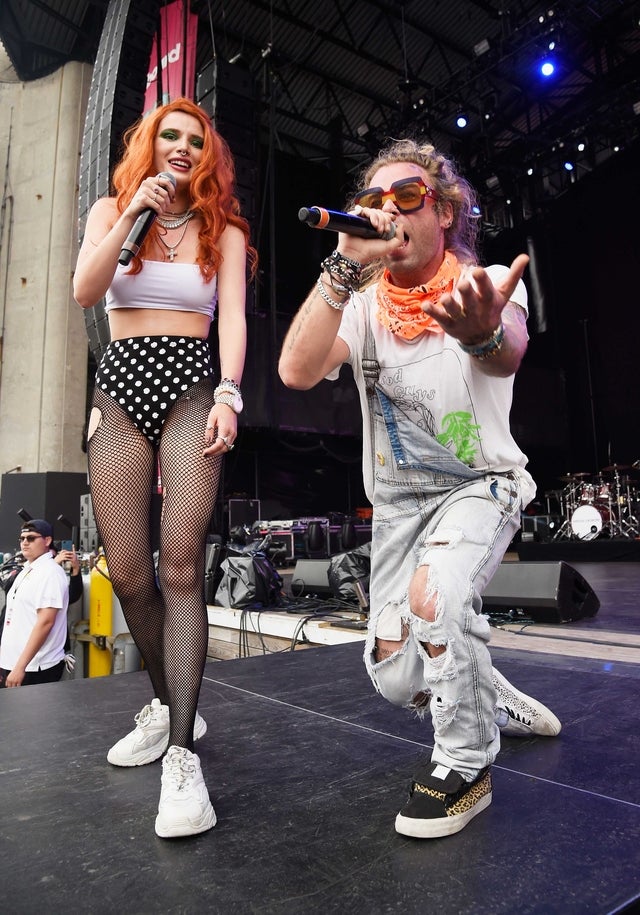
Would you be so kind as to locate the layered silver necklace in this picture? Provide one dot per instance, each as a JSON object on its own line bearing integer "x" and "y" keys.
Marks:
{"x": 178, "y": 220}
{"x": 174, "y": 247}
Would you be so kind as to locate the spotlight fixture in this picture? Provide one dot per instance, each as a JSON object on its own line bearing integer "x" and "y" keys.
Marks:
{"x": 569, "y": 166}
{"x": 481, "y": 47}
{"x": 547, "y": 68}
{"x": 461, "y": 121}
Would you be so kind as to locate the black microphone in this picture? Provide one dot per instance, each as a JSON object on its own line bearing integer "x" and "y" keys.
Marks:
{"x": 141, "y": 228}
{"x": 335, "y": 221}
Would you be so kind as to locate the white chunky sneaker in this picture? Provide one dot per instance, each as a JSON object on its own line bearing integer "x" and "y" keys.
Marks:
{"x": 150, "y": 737}
{"x": 184, "y": 808}
{"x": 518, "y": 715}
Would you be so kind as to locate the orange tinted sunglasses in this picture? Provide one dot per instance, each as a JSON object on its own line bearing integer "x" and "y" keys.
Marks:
{"x": 408, "y": 194}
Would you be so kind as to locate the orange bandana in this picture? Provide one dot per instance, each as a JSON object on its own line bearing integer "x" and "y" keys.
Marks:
{"x": 400, "y": 310}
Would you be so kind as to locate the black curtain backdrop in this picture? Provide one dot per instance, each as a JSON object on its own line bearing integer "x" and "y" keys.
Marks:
{"x": 575, "y": 399}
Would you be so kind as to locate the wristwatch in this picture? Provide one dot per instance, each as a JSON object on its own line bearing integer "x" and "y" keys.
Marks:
{"x": 230, "y": 395}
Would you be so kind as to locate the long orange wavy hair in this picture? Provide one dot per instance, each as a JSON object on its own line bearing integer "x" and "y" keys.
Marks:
{"x": 212, "y": 184}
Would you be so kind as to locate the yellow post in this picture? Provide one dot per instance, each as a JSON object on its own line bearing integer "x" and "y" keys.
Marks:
{"x": 100, "y": 617}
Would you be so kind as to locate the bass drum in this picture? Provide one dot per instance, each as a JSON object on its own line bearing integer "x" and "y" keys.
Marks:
{"x": 587, "y": 521}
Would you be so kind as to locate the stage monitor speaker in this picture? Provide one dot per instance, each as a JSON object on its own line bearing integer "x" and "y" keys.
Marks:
{"x": 311, "y": 576}
{"x": 548, "y": 592}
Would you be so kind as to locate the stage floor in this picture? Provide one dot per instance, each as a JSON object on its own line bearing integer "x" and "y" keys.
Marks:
{"x": 307, "y": 768}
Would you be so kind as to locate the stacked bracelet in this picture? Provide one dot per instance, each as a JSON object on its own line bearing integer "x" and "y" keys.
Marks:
{"x": 339, "y": 306}
{"x": 227, "y": 384}
{"x": 344, "y": 273}
{"x": 228, "y": 392}
{"x": 486, "y": 348}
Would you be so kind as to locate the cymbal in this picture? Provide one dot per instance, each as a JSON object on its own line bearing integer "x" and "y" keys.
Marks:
{"x": 568, "y": 477}
{"x": 614, "y": 467}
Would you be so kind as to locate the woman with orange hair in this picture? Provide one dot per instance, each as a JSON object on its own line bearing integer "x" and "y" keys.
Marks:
{"x": 155, "y": 402}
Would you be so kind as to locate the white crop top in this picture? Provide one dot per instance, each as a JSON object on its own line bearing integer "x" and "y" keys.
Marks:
{"x": 175, "y": 287}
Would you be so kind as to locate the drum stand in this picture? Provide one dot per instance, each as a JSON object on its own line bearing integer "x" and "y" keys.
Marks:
{"x": 567, "y": 508}
{"x": 628, "y": 523}
{"x": 564, "y": 531}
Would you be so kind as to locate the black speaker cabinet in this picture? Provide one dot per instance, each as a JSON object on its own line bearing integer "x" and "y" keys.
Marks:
{"x": 548, "y": 592}
{"x": 311, "y": 576}
{"x": 41, "y": 495}
{"x": 243, "y": 512}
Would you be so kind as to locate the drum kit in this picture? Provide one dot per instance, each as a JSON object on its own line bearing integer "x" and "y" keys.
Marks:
{"x": 605, "y": 504}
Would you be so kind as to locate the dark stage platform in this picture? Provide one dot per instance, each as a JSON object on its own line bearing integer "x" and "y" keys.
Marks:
{"x": 602, "y": 549}
{"x": 307, "y": 768}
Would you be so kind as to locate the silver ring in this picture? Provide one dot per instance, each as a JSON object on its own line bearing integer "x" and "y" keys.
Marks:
{"x": 223, "y": 439}
{"x": 230, "y": 447}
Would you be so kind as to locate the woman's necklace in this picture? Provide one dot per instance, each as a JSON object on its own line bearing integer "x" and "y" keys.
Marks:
{"x": 173, "y": 248}
{"x": 178, "y": 220}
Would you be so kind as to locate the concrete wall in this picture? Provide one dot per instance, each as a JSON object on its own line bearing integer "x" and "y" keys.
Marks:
{"x": 43, "y": 342}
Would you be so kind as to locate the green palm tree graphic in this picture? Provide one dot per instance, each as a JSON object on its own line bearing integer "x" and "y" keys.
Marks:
{"x": 459, "y": 432}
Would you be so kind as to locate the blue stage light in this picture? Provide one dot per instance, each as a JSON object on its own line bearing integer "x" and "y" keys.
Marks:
{"x": 461, "y": 121}
{"x": 547, "y": 68}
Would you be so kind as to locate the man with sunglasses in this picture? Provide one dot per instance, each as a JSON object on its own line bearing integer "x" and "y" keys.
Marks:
{"x": 434, "y": 342}
{"x": 35, "y": 625}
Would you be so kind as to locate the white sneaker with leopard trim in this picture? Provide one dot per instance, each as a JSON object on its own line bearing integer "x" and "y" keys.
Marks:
{"x": 519, "y": 715}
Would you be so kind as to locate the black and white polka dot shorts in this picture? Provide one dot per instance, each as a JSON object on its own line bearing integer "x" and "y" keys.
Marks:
{"x": 146, "y": 375}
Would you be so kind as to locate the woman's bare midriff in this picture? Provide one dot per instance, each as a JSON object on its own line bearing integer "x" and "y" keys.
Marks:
{"x": 142, "y": 322}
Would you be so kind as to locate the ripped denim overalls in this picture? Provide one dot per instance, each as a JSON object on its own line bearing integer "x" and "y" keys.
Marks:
{"x": 431, "y": 509}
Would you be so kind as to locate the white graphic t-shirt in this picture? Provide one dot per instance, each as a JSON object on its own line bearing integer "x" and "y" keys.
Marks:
{"x": 440, "y": 388}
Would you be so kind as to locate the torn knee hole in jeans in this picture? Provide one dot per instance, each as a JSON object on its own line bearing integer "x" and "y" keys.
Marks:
{"x": 442, "y": 666}
{"x": 421, "y": 700}
{"x": 95, "y": 419}
{"x": 443, "y": 714}
{"x": 394, "y": 645}
{"x": 436, "y": 670}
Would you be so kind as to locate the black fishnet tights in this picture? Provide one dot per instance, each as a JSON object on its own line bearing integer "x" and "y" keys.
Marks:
{"x": 169, "y": 622}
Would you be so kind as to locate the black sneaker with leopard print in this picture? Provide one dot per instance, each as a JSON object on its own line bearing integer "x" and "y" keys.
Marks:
{"x": 441, "y": 802}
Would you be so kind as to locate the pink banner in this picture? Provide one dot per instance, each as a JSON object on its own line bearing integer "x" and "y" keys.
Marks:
{"x": 173, "y": 42}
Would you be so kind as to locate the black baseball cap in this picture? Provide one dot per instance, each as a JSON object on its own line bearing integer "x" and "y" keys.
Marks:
{"x": 38, "y": 526}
